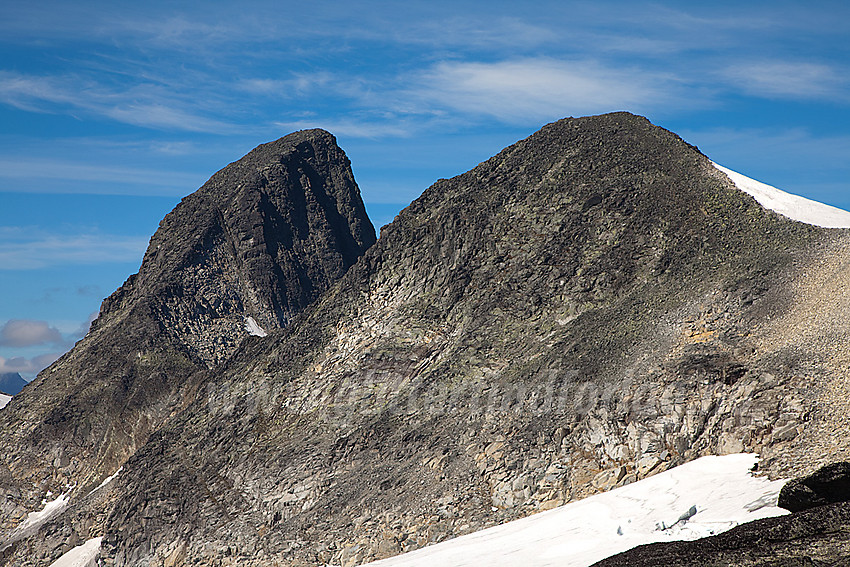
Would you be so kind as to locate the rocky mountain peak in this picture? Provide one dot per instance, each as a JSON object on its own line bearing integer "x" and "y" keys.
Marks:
{"x": 256, "y": 243}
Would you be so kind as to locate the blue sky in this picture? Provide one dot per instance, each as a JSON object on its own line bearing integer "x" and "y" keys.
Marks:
{"x": 110, "y": 112}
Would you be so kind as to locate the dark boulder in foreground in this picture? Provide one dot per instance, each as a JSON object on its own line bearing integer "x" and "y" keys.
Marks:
{"x": 828, "y": 485}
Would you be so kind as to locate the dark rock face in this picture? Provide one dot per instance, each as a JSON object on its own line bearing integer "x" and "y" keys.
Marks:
{"x": 11, "y": 383}
{"x": 263, "y": 238}
{"x": 828, "y": 485}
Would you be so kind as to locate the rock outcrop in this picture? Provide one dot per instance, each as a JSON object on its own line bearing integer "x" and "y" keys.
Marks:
{"x": 827, "y": 485}
{"x": 594, "y": 304}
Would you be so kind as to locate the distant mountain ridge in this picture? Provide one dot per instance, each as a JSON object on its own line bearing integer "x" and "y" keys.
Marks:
{"x": 594, "y": 304}
{"x": 11, "y": 383}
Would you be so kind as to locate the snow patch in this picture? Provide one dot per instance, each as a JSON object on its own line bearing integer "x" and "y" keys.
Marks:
{"x": 792, "y": 206}
{"x": 697, "y": 499}
{"x": 51, "y": 509}
{"x": 35, "y": 520}
{"x": 253, "y": 328}
{"x": 81, "y": 556}
{"x": 4, "y": 399}
{"x": 107, "y": 480}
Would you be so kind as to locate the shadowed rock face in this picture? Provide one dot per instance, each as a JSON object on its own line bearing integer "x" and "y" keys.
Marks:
{"x": 827, "y": 485}
{"x": 263, "y": 238}
{"x": 594, "y": 304}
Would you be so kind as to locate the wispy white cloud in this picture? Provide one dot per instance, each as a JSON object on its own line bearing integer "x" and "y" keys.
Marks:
{"x": 177, "y": 30}
{"x": 539, "y": 89}
{"x": 789, "y": 80}
{"x": 141, "y": 104}
{"x": 464, "y": 32}
{"x": 369, "y": 128}
{"x": 47, "y": 168}
{"x": 25, "y": 248}
{"x": 297, "y": 84}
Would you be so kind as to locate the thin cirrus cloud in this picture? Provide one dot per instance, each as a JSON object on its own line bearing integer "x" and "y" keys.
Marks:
{"x": 789, "y": 80}
{"x": 145, "y": 105}
{"x": 538, "y": 89}
{"x": 120, "y": 180}
{"x": 367, "y": 128}
{"x": 27, "y": 333}
{"x": 30, "y": 249}
{"x": 465, "y": 32}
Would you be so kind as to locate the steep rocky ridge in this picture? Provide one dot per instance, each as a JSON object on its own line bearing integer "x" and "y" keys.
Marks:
{"x": 595, "y": 304}
{"x": 583, "y": 309}
{"x": 261, "y": 239}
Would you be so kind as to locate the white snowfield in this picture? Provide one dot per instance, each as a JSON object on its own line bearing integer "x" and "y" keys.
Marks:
{"x": 4, "y": 399}
{"x": 254, "y": 328}
{"x": 35, "y": 520}
{"x": 788, "y": 205}
{"x": 107, "y": 480}
{"x": 697, "y": 499}
{"x": 81, "y": 556}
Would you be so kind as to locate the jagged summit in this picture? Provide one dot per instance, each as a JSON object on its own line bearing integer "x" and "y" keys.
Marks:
{"x": 261, "y": 239}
